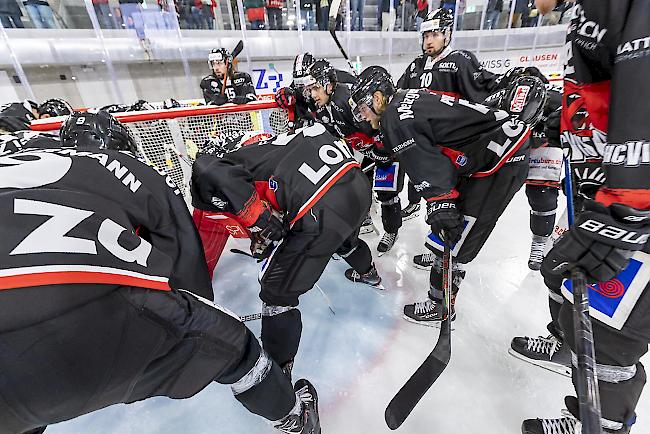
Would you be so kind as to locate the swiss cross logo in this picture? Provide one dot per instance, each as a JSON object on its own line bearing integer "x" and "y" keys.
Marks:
{"x": 519, "y": 101}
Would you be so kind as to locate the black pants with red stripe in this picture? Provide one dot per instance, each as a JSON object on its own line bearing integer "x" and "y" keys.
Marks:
{"x": 331, "y": 226}
{"x": 68, "y": 350}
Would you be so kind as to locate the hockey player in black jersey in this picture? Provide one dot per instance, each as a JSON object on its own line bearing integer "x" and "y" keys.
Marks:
{"x": 15, "y": 120}
{"x": 302, "y": 197}
{"x": 452, "y": 72}
{"x": 466, "y": 160}
{"x": 604, "y": 117}
{"x": 238, "y": 87}
{"x": 104, "y": 292}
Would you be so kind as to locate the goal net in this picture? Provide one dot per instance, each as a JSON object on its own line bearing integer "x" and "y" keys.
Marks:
{"x": 171, "y": 138}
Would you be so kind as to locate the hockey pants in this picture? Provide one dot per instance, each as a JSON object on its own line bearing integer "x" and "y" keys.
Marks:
{"x": 91, "y": 346}
{"x": 485, "y": 199}
{"x": 331, "y": 226}
{"x": 543, "y": 204}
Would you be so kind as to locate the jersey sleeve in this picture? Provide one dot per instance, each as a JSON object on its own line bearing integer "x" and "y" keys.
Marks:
{"x": 414, "y": 145}
{"x": 403, "y": 81}
{"x": 212, "y": 96}
{"x": 222, "y": 185}
{"x": 245, "y": 92}
{"x": 474, "y": 83}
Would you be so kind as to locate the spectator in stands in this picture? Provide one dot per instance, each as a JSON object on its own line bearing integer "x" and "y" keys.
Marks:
{"x": 529, "y": 19}
{"x": 423, "y": 9}
{"x": 10, "y": 14}
{"x": 356, "y": 10}
{"x": 521, "y": 8}
{"x": 40, "y": 13}
{"x": 324, "y": 14}
{"x": 492, "y": 14}
{"x": 461, "y": 6}
{"x": 307, "y": 14}
{"x": 128, "y": 8}
{"x": 408, "y": 9}
{"x": 197, "y": 14}
{"x": 274, "y": 14}
{"x": 255, "y": 13}
{"x": 103, "y": 12}
{"x": 208, "y": 10}
{"x": 387, "y": 15}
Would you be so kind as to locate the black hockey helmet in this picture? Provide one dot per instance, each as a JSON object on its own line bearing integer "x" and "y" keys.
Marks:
{"x": 525, "y": 98}
{"x": 171, "y": 103}
{"x": 301, "y": 65}
{"x": 98, "y": 130}
{"x": 55, "y": 107}
{"x": 141, "y": 105}
{"x": 439, "y": 20}
{"x": 321, "y": 72}
{"x": 220, "y": 55}
{"x": 371, "y": 80}
{"x": 115, "y": 108}
{"x": 12, "y": 124}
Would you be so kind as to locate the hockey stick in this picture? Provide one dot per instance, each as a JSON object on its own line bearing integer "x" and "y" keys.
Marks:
{"x": 586, "y": 380}
{"x": 235, "y": 52}
{"x": 334, "y": 12}
{"x": 410, "y": 394}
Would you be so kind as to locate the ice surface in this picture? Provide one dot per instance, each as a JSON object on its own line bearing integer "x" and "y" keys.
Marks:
{"x": 361, "y": 356}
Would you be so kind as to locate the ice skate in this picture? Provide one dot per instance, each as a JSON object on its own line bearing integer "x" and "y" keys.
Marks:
{"x": 429, "y": 313}
{"x": 305, "y": 420}
{"x": 423, "y": 261}
{"x": 386, "y": 243}
{"x": 370, "y": 278}
{"x": 537, "y": 252}
{"x": 411, "y": 210}
{"x": 368, "y": 226}
{"x": 548, "y": 353}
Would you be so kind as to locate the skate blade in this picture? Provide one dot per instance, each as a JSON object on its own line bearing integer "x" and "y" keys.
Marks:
{"x": 553, "y": 367}
{"x": 366, "y": 230}
{"x": 432, "y": 324}
{"x": 415, "y": 214}
{"x": 380, "y": 254}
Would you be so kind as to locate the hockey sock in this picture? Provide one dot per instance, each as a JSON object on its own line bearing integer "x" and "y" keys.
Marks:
{"x": 435, "y": 278}
{"x": 264, "y": 389}
{"x": 542, "y": 222}
{"x": 281, "y": 330}
{"x": 359, "y": 258}
{"x": 391, "y": 214}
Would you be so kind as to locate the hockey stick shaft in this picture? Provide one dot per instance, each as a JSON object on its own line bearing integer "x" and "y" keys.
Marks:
{"x": 586, "y": 380}
{"x": 334, "y": 12}
{"x": 410, "y": 394}
{"x": 235, "y": 52}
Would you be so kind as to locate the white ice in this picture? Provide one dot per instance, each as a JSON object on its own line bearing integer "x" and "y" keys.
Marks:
{"x": 359, "y": 357}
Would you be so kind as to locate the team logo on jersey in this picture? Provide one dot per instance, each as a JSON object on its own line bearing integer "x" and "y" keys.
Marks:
{"x": 631, "y": 154}
{"x": 326, "y": 119}
{"x": 461, "y": 160}
{"x": 214, "y": 84}
{"x": 218, "y": 202}
{"x": 273, "y": 184}
{"x": 519, "y": 101}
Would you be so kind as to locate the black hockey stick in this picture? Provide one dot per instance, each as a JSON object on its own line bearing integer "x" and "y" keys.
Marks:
{"x": 334, "y": 12}
{"x": 586, "y": 381}
{"x": 234, "y": 53}
{"x": 410, "y": 394}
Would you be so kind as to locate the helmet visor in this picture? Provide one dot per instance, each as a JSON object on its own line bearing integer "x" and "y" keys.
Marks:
{"x": 365, "y": 102}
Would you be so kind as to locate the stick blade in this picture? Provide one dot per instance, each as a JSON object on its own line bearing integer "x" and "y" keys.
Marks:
{"x": 410, "y": 394}
{"x": 238, "y": 49}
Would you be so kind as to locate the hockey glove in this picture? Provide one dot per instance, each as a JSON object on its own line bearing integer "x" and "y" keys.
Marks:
{"x": 285, "y": 98}
{"x": 359, "y": 141}
{"x": 218, "y": 99}
{"x": 552, "y": 128}
{"x": 445, "y": 220}
{"x": 601, "y": 241}
{"x": 267, "y": 230}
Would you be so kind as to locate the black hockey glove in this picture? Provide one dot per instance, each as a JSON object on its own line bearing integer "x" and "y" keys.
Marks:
{"x": 601, "y": 241}
{"x": 285, "y": 97}
{"x": 267, "y": 230}
{"x": 240, "y": 100}
{"x": 218, "y": 99}
{"x": 552, "y": 128}
{"x": 444, "y": 219}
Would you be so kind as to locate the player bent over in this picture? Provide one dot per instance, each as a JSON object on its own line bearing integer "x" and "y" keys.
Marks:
{"x": 466, "y": 160}
{"x": 302, "y": 197}
{"x": 104, "y": 292}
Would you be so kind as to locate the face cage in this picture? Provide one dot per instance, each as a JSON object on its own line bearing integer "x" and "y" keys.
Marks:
{"x": 365, "y": 101}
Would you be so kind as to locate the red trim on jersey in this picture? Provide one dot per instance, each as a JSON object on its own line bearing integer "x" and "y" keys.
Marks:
{"x": 505, "y": 158}
{"x": 637, "y": 198}
{"x": 442, "y": 92}
{"x": 453, "y": 194}
{"x": 75, "y": 277}
{"x": 323, "y": 189}
{"x": 553, "y": 184}
{"x": 452, "y": 154}
{"x": 266, "y": 193}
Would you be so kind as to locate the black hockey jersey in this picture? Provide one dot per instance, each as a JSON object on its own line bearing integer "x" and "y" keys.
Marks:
{"x": 239, "y": 89}
{"x": 337, "y": 115}
{"x": 457, "y": 73}
{"x": 290, "y": 171}
{"x": 438, "y": 138}
{"x": 19, "y": 140}
{"x": 16, "y": 116}
{"x": 102, "y": 217}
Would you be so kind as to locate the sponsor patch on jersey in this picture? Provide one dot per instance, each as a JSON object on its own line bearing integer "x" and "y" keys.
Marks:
{"x": 519, "y": 101}
{"x": 214, "y": 84}
{"x": 239, "y": 80}
{"x": 612, "y": 302}
{"x": 326, "y": 119}
{"x": 461, "y": 160}
{"x": 273, "y": 184}
{"x": 386, "y": 178}
{"x": 447, "y": 67}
